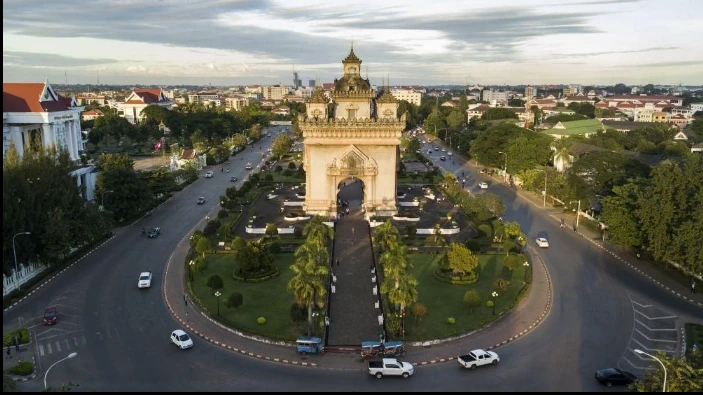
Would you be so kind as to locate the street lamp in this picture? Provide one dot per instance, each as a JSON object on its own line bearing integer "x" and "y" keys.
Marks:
{"x": 191, "y": 264}
{"x": 505, "y": 168}
{"x": 217, "y": 295}
{"x": 71, "y": 355}
{"x": 495, "y": 295}
{"x": 102, "y": 198}
{"x": 313, "y": 323}
{"x": 544, "y": 201}
{"x": 15, "y": 252}
{"x": 638, "y": 351}
{"x": 526, "y": 265}
{"x": 578, "y": 210}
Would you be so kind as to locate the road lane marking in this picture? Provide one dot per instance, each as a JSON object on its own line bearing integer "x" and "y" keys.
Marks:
{"x": 653, "y": 330}
{"x": 41, "y": 350}
{"x": 58, "y": 346}
{"x": 670, "y": 317}
{"x": 48, "y": 348}
{"x": 642, "y": 305}
{"x": 75, "y": 342}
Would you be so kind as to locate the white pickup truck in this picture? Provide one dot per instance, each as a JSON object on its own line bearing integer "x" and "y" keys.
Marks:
{"x": 478, "y": 358}
{"x": 144, "y": 280}
{"x": 390, "y": 367}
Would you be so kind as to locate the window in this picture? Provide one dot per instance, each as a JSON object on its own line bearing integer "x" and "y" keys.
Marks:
{"x": 351, "y": 114}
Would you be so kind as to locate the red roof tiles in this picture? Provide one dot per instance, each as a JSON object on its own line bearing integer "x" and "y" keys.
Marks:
{"x": 26, "y": 97}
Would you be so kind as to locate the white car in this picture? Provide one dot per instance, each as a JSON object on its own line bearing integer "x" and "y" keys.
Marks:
{"x": 248, "y": 166}
{"x": 483, "y": 185}
{"x": 181, "y": 339}
{"x": 542, "y": 242}
{"x": 144, "y": 280}
{"x": 209, "y": 174}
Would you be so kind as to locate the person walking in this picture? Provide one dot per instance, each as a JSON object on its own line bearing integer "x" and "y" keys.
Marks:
{"x": 693, "y": 286}
{"x": 17, "y": 344}
{"x": 337, "y": 261}
{"x": 9, "y": 352}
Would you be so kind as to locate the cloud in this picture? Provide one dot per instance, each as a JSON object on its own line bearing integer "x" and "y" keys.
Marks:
{"x": 41, "y": 60}
{"x": 672, "y": 64}
{"x": 588, "y": 54}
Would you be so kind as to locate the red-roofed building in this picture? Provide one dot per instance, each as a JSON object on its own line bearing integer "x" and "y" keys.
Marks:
{"x": 91, "y": 115}
{"x": 282, "y": 110}
{"x": 132, "y": 107}
{"x": 35, "y": 112}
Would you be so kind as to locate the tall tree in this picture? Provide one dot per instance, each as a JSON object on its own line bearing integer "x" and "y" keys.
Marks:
{"x": 386, "y": 236}
{"x": 681, "y": 376}
{"x": 460, "y": 259}
{"x": 281, "y": 145}
{"x": 308, "y": 284}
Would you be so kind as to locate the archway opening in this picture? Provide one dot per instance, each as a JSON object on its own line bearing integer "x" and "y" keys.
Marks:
{"x": 350, "y": 195}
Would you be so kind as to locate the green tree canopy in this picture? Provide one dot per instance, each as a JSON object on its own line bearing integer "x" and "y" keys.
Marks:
{"x": 499, "y": 113}
{"x": 460, "y": 259}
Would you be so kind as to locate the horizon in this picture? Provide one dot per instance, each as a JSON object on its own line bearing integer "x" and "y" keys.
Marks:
{"x": 225, "y": 43}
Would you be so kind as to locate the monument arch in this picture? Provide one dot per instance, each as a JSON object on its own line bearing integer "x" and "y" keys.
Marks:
{"x": 353, "y": 141}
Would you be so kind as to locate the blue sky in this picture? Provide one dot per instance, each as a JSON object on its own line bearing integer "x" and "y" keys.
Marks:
{"x": 226, "y": 42}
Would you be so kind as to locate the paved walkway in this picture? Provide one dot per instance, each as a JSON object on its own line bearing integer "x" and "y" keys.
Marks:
{"x": 352, "y": 306}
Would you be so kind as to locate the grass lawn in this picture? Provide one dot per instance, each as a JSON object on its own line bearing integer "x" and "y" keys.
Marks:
{"x": 445, "y": 300}
{"x": 269, "y": 299}
{"x": 294, "y": 178}
{"x": 694, "y": 335}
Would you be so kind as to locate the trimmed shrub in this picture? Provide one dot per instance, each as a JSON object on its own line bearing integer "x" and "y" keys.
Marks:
{"x": 472, "y": 300}
{"x": 473, "y": 245}
{"x": 287, "y": 172}
{"x": 22, "y": 369}
{"x": 278, "y": 169}
{"x": 297, "y": 313}
{"x": 451, "y": 321}
{"x": 419, "y": 311}
{"x": 254, "y": 178}
{"x": 275, "y": 248}
{"x": 268, "y": 177}
{"x": 9, "y": 338}
{"x": 235, "y": 300}
{"x": 215, "y": 282}
{"x": 485, "y": 230}
{"x": 261, "y": 320}
{"x": 211, "y": 228}
{"x": 222, "y": 214}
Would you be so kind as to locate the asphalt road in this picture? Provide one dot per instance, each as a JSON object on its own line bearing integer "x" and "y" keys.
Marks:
{"x": 121, "y": 333}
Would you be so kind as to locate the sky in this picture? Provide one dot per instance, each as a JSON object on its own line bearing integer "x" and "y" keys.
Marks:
{"x": 419, "y": 42}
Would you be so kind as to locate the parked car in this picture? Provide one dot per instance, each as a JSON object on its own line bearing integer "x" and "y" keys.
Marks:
{"x": 154, "y": 232}
{"x": 615, "y": 376}
{"x": 484, "y": 171}
{"x": 542, "y": 242}
{"x": 181, "y": 339}
{"x": 201, "y": 200}
{"x": 51, "y": 316}
{"x": 483, "y": 185}
{"x": 144, "y": 280}
{"x": 209, "y": 174}
{"x": 309, "y": 345}
{"x": 478, "y": 358}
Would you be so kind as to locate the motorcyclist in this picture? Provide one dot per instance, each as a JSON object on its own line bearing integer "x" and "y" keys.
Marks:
{"x": 143, "y": 231}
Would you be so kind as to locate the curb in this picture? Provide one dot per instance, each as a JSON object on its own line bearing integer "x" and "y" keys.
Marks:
{"x": 47, "y": 281}
{"x": 647, "y": 276}
{"x": 23, "y": 379}
{"x": 530, "y": 328}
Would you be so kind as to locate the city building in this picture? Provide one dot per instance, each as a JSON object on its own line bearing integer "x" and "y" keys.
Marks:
{"x": 408, "y": 94}
{"x": 91, "y": 115}
{"x": 35, "y": 112}
{"x": 204, "y": 97}
{"x": 131, "y": 108}
{"x": 529, "y": 92}
{"x": 275, "y": 92}
{"x": 236, "y": 103}
{"x": 87, "y": 98}
{"x": 584, "y": 128}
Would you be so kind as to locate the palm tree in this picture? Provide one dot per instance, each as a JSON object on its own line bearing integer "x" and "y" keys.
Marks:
{"x": 310, "y": 272}
{"x": 401, "y": 291}
{"x": 319, "y": 232}
{"x": 385, "y": 236}
{"x": 394, "y": 261}
{"x": 562, "y": 157}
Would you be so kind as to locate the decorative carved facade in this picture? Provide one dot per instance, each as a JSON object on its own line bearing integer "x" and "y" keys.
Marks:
{"x": 359, "y": 139}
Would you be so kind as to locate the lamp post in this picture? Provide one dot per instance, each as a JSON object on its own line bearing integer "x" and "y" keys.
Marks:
{"x": 638, "y": 351}
{"x": 526, "y": 265}
{"x": 190, "y": 269}
{"x": 14, "y": 251}
{"x": 544, "y": 193}
{"x": 217, "y": 295}
{"x": 578, "y": 210}
{"x": 71, "y": 355}
{"x": 313, "y": 323}
{"x": 102, "y": 198}
{"x": 494, "y": 295}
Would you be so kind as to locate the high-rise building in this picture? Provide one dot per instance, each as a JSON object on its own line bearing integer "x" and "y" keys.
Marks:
{"x": 297, "y": 83}
{"x": 311, "y": 83}
{"x": 529, "y": 92}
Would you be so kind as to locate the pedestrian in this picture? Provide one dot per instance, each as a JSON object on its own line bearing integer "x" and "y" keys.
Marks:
{"x": 17, "y": 344}
{"x": 9, "y": 352}
{"x": 352, "y": 228}
{"x": 693, "y": 286}
{"x": 337, "y": 261}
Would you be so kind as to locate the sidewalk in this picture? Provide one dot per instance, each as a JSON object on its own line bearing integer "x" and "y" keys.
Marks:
{"x": 11, "y": 360}
{"x": 641, "y": 266}
{"x": 513, "y": 325}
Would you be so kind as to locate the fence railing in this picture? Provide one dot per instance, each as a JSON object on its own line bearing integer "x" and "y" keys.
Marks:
{"x": 16, "y": 279}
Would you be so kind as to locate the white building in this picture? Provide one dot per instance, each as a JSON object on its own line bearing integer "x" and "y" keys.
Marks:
{"x": 34, "y": 111}
{"x": 236, "y": 103}
{"x": 695, "y": 107}
{"x": 203, "y": 97}
{"x": 275, "y": 92}
{"x": 490, "y": 95}
{"x": 529, "y": 92}
{"x": 92, "y": 115}
{"x": 409, "y": 95}
{"x": 132, "y": 107}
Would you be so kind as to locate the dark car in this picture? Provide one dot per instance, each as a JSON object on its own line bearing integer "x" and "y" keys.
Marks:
{"x": 154, "y": 233}
{"x": 233, "y": 179}
{"x": 615, "y": 376}
{"x": 484, "y": 171}
{"x": 201, "y": 200}
{"x": 51, "y": 316}
{"x": 442, "y": 158}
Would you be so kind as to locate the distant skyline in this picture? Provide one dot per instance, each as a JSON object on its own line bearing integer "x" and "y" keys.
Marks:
{"x": 236, "y": 42}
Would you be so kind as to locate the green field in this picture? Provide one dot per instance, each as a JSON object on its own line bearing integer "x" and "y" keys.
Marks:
{"x": 268, "y": 299}
{"x": 445, "y": 300}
